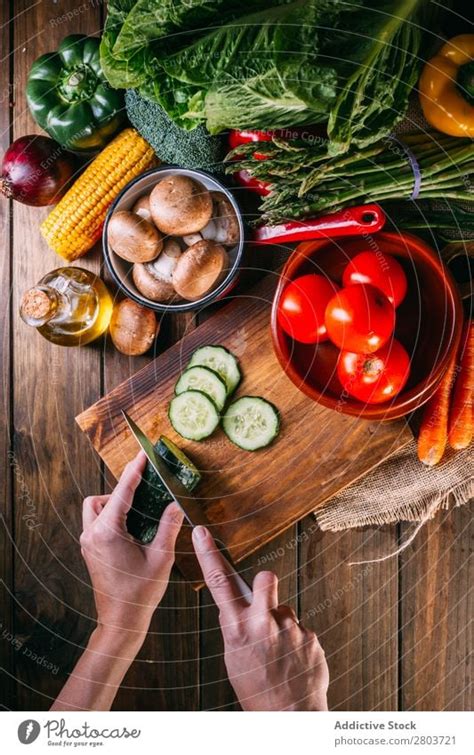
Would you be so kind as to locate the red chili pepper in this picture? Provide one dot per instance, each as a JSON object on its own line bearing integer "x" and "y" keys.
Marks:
{"x": 245, "y": 179}
{"x": 352, "y": 221}
{"x": 236, "y": 138}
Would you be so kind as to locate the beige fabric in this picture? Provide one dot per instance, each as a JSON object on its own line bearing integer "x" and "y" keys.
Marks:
{"x": 401, "y": 489}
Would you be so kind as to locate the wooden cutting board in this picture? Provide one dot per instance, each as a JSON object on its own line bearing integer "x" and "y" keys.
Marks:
{"x": 249, "y": 498}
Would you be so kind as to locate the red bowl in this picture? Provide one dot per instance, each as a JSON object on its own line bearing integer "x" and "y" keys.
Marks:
{"x": 429, "y": 323}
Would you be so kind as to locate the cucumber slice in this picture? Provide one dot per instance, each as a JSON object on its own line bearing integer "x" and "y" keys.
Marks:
{"x": 151, "y": 497}
{"x": 251, "y": 423}
{"x": 205, "y": 380}
{"x": 193, "y": 415}
{"x": 220, "y": 360}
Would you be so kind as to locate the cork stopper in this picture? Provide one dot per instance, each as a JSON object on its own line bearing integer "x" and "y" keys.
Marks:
{"x": 35, "y": 304}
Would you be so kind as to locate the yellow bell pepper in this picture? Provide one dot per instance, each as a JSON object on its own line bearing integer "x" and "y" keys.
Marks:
{"x": 446, "y": 87}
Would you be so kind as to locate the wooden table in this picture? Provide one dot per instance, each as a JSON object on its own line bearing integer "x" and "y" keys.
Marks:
{"x": 395, "y": 634}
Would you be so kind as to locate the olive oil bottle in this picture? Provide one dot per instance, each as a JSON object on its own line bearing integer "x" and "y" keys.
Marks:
{"x": 69, "y": 306}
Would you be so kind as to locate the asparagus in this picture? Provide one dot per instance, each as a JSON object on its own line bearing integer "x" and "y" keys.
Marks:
{"x": 305, "y": 180}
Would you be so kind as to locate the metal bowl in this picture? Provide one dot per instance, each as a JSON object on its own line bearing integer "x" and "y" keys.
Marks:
{"x": 121, "y": 270}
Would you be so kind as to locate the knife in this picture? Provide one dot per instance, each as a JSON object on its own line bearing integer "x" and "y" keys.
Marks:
{"x": 188, "y": 505}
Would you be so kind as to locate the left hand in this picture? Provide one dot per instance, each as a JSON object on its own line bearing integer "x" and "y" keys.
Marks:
{"x": 129, "y": 579}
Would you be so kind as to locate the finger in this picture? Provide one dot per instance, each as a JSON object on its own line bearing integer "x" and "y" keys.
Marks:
{"x": 122, "y": 497}
{"x": 91, "y": 508}
{"x": 286, "y": 616}
{"x": 265, "y": 591}
{"x": 215, "y": 570}
{"x": 162, "y": 548}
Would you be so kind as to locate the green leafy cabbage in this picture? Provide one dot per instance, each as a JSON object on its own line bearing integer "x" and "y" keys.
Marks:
{"x": 270, "y": 63}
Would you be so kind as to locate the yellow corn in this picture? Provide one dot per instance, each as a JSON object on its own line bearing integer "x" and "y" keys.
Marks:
{"x": 75, "y": 224}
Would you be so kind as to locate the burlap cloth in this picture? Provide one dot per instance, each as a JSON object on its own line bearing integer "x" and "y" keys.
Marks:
{"x": 401, "y": 488}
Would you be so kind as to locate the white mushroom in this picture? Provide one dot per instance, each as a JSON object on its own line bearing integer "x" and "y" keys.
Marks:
{"x": 192, "y": 238}
{"x": 209, "y": 231}
{"x": 180, "y": 205}
{"x": 225, "y": 220}
{"x": 142, "y": 207}
{"x": 154, "y": 279}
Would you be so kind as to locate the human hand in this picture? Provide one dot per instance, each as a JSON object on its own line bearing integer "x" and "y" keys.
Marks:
{"x": 273, "y": 663}
{"x": 128, "y": 578}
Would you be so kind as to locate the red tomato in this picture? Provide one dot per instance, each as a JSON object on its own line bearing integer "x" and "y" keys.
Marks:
{"x": 380, "y": 270}
{"x": 360, "y": 318}
{"x": 374, "y": 378}
{"x": 302, "y": 305}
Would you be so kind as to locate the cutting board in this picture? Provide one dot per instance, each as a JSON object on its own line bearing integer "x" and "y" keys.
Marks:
{"x": 248, "y": 498}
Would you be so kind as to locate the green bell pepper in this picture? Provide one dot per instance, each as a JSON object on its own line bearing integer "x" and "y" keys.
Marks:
{"x": 70, "y": 98}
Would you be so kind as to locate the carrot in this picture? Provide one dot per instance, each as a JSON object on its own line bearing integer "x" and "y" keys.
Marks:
{"x": 433, "y": 435}
{"x": 460, "y": 416}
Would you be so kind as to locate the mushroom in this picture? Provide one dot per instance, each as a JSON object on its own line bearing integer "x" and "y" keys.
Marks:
{"x": 180, "y": 205}
{"x": 132, "y": 328}
{"x": 192, "y": 238}
{"x": 200, "y": 269}
{"x": 154, "y": 279}
{"x": 133, "y": 238}
{"x": 224, "y": 219}
{"x": 142, "y": 207}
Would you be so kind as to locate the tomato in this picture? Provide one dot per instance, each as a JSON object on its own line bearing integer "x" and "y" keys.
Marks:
{"x": 302, "y": 306}
{"x": 374, "y": 378}
{"x": 360, "y": 318}
{"x": 380, "y": 270}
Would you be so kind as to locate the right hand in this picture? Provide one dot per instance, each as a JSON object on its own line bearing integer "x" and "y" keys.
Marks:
{"x": 273, "y": 663}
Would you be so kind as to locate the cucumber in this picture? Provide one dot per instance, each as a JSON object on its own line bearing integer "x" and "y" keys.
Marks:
{"x": 151, "y": 497}
{"x": 251, "y": 423}
{"x": 205, "y": 380}
{"x": 220, "y": 360}
{"x": 193, "y": 415}
{"x": 181, "y": 466}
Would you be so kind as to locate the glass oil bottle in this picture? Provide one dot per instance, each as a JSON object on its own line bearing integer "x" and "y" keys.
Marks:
{"x": 69, "y": 306}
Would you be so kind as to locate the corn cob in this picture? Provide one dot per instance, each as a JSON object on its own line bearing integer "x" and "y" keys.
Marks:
{"x": 75, "y": 224}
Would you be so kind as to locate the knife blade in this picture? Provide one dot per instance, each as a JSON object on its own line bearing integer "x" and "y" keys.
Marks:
{"x": 186, "y": 502}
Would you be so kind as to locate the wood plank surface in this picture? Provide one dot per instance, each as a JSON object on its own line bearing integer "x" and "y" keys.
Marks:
{"x": 54, "y": 609}
{"x": 248, "y": 498}
{"x": 7, "y": 630}
{"x": 397, "y": 634}
{"x": 353, "y": 610}
{"x": 437, "y": 578}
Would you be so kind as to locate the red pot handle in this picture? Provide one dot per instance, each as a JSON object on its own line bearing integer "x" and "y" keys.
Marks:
{"x": 352, "y": 221}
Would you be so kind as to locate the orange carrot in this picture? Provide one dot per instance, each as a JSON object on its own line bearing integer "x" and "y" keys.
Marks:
{"x": 460, "y": 415}
{"x": 433, "y": 435}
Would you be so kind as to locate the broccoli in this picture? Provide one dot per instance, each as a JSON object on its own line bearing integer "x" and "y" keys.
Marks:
{"x": 172, "y": 144}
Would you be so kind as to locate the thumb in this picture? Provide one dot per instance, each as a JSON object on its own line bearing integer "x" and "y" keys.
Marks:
{"x": 162, "y": 549}
{"x": 121, "y": 499}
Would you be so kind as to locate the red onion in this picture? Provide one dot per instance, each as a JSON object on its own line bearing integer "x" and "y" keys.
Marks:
{"x": 36, "y": 171}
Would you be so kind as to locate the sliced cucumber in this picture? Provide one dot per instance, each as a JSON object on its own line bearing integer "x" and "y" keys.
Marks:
{"x": 251, "y": 423}
{"x": 151, "y": 497}
{"x": 205, "y": 380}
{"x": 193, "y": 415}
{"x": 220, "y": 360}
